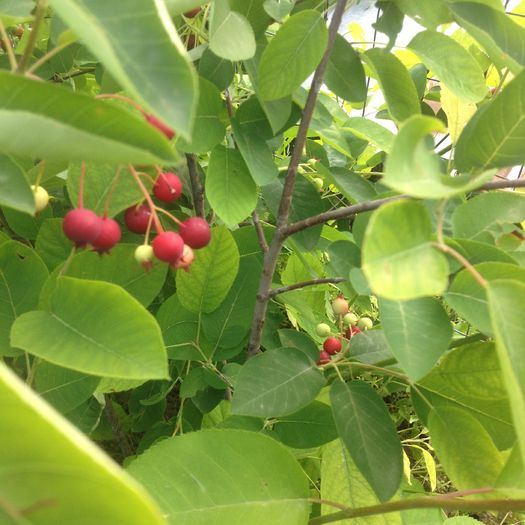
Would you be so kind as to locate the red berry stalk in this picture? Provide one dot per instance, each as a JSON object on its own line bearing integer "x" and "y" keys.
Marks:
{"x": 147, "y": 196}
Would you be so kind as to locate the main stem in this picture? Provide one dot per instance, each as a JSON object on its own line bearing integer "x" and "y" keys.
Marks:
{"x": 271, "y": 256}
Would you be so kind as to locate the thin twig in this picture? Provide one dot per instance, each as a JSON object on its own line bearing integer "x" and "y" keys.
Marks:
{"x": 197, "y": 190}
{"x": 304, "y": 284}
{"x": 465, "y": 262}
{"x": 41, "y": 8}
{"x": 260, "y": 232}
{"x": 43, "y": 59}
{"x": 270, "y": 259}
{"x": 8, "y": 47}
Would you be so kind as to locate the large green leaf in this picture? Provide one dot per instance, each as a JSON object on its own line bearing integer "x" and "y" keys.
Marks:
{"x": 493, "y": 137}
{"x": 156, "y": 71}
{"x": 469, "y": 298}
{"x": 51, "y": 243}
{"x": 255, "y": 12}
{"x": 224, "y": 477}
{"x": 469, "y": 463}
{"x": 502, "y": 38}
{"x": 205, "y": 286}
{"x": 452, "y": 63}
{"x": 50, "y": 466}
{"x": 507, "y": 310}
{"x": 371, "y": 131}
{"x": 22, "y": 275}
{"x": 14, "y": 186}
{"x": 100, "y": 180}
{"x": 413, "y": 168}
{"x": 231, "y": 35}
{"x": 209, "y": 128}
{"x": 12, "y": 11}
{"x": 230, "y": 188}
{"x": 396, "y": 83}
{"x": 72, "y": 127}
{"x": 343, "y": 482}
{"x": 365, "y": 427}
{"x": 473, "y": 219}
{"x": 418, "y": 333}
{"x": 470, "y": 378}
{"x": 96, "y": 328}
{"x": 345, "y": 75}
{"x": 276, "y": 383}
{"x": 370, "y": 347}
{"x": 399, "y": 260}
{"x": 292, "y": 54}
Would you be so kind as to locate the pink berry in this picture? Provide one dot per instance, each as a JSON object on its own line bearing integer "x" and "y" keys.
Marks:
{"x": 156, "y": 123}
{"x": 168, "y": 187}
{"x": 168, "y": 246}
{"x": 324, "y": 357}
{"x": 109, "y": 235}
{"x": 81, "y": 226}
{"x": 195, "y": 232}
{"x": 332, "y": 345}
{"x": 137, "y": 218}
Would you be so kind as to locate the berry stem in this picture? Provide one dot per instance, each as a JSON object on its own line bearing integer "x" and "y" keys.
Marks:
{"x": 148, "y": 229}
{"x": 112, "y": 190}
{"x": 123, "y": 99}
{"x": 8, "y": 47}
{"x": 148, "y": 198}
{"x": 172, "y": 217}
{"x": 41, "y": 8}
{"x": 147, "y": 175}
{"x": 40, "y": 174}
{"x": 81, "y": 185}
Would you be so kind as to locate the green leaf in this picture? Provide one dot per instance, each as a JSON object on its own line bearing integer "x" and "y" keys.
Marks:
{"x": 24, "y": 225}
{"x": 399, "y": 260}
{"x": 502, "y": 38}
{"x": 254, "y": 11}
{"x": 63, "y": 388}
{"x": 231, "y": 35}
{"x": 470, "y": 378}
{"x": 22, "y": 275}
{"x": 292, "y": 54}
{"x": 96, "y": 328}
{"x": 469, "y": 463}
{"x": 493, "y": 138}
{"x": 229, "y": 186}
{"x": 100, "y": 179}
{"x": 14, "y": 187}
{"x": 452, "y": 64}
{"x": 216, "y": 69}
{"x": 310, "y": 427}
{"x": 370, "y": 347}
{"x": 256, "y": 154}
{"x": 219, "y": 475}
{"x": 212, "y": 274}
{"x": 365, "y": 427}
{"x": 46, "y": 459}
{"x": 276, "y": 383}
{"x": 506, "y": 305}
{"x": 344, "y": 483}
{"x": 418, "y": 333}
{"x": 291, "y": 338}
{"x": 469, "y": 298}
{"x": 12, "y": 11}
{"x": 370, "y": 131}
{"x": 156, "y": 71}
{"x": 473, "y": 219}
{"x": 395, "y": 82}
{"x": 413, "y": 167}
{"x": 209, "y": 128}
{"x": 72, "y": 127}
{"x": 345, "y": 75}
{"x": 427, "y": 15}
{"x": 457, "y": 111}
{"x": 51, "y": 243}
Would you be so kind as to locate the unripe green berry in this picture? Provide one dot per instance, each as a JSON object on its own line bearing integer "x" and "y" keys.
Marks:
{"x": 340, "y": 306}
{"x": 41, "y": 198}
{"x": 312, "y": 162}
{"x": 144, "y": 253}
{"x": 322, "y": 330}
{"x": 365, "y": 323}
{"x": 301, "y": 170}
{"x": 318, "y": 183}
{"x": 350, "y": 319}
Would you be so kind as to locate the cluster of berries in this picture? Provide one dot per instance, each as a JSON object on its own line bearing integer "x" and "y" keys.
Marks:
{"x": 352, "y": 323}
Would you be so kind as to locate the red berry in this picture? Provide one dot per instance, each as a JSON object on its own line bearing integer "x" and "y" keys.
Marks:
{"x": 81, "y": 226}
{"x": 192, "y": 13}
{"x": 137, "y": 218}
{"x": 332, "y": 345}
{"x": 156, "y": 123}
{"x": 324, "y": 357}
{"x": 109, "y": 235}
{"x": 168, "y": 246}
{"x": 195, "y": 232}
{"x": 168, "y": 187}
{"x": 351, "y": 331}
